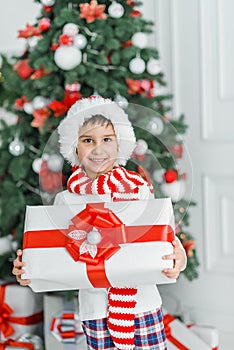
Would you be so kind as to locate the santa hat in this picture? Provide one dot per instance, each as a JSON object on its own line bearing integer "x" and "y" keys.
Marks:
{"x": 81, "y": 112}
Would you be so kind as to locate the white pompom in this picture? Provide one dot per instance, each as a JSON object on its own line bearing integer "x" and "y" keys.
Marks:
{"x": 67, "y": 57}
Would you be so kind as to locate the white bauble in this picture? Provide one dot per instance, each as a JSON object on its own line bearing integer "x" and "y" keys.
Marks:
{"x": 141, "y": 147}
{"x": 139, "y": 39}
{"x": 116, "y": 10}
{"x": 94, "y": 237}
{"x": 121, "y": 100}
{"x": 175, "y": 190}
{"x": 5, "y": 245}
{"x": 80, "y": 41}
{"x": 156, "y": 126}
{"x": 137, "y": 65}
{"x": 153, "y": 66}
{"x": 28, "y": 108}
{"x": 39, "y": 102}
{"x": 36, "y": 165}
{"x": 70, "y": 29}
{"x": 55, "y": 163}
{"x": 67, "y": 57}
{"x": 32, "y": 42}
{"x": 16, "y": 147}
{"x": 158, "y": 175}
{"x": 8, "y": 117}
{"x": 48, "y": 2}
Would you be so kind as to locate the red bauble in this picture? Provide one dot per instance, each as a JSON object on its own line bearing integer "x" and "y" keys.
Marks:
{"x": 170, "y": 175}
{"x": 51, "y": 182}
{"x": 23, "y": 69}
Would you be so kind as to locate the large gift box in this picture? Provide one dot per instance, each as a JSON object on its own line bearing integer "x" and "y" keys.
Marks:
{"x": 208, "y": 334}
{"x": 20, "y": 311}
{"x": 62, "y": 328}
{"x": 98, "y": 245}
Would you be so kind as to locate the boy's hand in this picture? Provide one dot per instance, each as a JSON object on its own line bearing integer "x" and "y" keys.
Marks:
{"x": 17, "y": 269}
{"x": 179, "y": 258}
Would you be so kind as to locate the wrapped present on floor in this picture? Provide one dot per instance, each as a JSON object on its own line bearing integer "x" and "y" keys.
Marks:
{"x": 25, "y": 342}
{"x": 208, "y": 334}
{"x": 20, "y": 311}
{"x": 98, "y": 245}
{"x": 180, "y": 337}
{"x": 62, "y": 328}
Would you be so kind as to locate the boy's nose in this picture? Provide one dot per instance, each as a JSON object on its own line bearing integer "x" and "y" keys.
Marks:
{"x": 98, "y": 149}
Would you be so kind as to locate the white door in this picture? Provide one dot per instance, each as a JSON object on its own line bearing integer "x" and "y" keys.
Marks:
{"x": 195, "y": 40}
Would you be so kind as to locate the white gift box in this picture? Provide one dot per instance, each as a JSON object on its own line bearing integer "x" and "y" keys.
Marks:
{"x": 21, "y": 311}
{"x": 181, "y": 337}
{"x": 50, "y": 266}
{"x": 54, "y": 308}
{"x": 208, "y": 334}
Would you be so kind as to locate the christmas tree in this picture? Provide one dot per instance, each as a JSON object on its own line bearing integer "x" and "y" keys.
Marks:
{"x": 77, "y": 49}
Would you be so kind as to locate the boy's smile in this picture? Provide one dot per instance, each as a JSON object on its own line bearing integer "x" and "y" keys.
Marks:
{"x": 97, "y": 148}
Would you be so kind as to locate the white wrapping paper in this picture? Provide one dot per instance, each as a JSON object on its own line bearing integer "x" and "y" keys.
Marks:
{"x": 24, "y": 303}
{"x": 134, "y": 264}
{"x": 208, "y": 334}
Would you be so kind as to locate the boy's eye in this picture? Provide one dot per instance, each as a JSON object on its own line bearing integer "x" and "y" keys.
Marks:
{"x": 87, "y": 140}
{"x": 107, "y": 139}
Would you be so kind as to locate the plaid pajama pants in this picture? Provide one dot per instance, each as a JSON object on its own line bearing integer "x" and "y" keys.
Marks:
{"x": 149, "y": 332}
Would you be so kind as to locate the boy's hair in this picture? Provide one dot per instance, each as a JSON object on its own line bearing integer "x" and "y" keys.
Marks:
{"x": 103, "y": 111}
{"x": 98, "y": 119}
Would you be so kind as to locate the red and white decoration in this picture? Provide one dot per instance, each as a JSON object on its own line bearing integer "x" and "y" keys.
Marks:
{"x": 20, "y": 311}
{"x": 147, "y": 225}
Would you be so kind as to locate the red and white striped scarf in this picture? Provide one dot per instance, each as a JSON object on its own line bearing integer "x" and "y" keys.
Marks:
{"x": 122, "y": 185}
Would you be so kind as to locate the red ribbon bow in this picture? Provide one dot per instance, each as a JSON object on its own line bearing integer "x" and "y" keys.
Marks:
{"x": 64, "y": 327}
{"x": 13, "y": 343}
{"x": 104, "y": 220}
{"x": 6, "y": 316}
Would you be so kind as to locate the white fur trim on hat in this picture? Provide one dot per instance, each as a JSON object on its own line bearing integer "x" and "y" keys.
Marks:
{"x": 82, "y": 111}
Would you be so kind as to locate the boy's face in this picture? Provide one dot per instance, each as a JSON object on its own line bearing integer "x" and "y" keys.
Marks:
{"x": 97, "y": 148}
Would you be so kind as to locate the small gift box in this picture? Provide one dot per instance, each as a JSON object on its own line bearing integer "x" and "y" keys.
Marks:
{"x": 62, "y": 328}
{"x": 98, "y": 245}
{"x": 20, "y": 311}
{"x": 180, "y": 337}
{"x": 11, "y": 344}
{"x": 208, "y": 334}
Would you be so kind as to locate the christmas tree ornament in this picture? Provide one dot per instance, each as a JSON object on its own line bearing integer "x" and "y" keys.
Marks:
{"x": 175, "y": 190}
{"x": 121, "y": 100}
{"x": 80, "y": 41}
{"x": 115, "y": 10}
{"x": 71, "y": 29}
{"x": 155, "y": 126}
{"x": 65, "y": 39}
{"x": 32, "y": 42}
{"x": 48, "y": 2}
{"x": 153, "y": 66}
{"x": 44, "y": 24}
{"x": 39, "y": 102}
{"x": 140, "y": 40}
{"x": 170, "y": 175}
{"x": 92, "y": 11}
{"x": 28, "y": 108}
{"x": 137, "y": 65}
{"x": 141, "y": 147}
{"x": 16, "y": 147}
{"x": 55, "y": 163}
{"x": 5, "y": 244}
{"x": 67, "y": 57}
{"x": 158, "y": 175}
{"x": 8, "y": 117}
{"x": 36, "y": 165}
{"x": 23, "y": 69}
{"x": 72, "y": 87}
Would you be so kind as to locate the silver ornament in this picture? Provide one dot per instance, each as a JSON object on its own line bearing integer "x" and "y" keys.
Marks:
{"x": 16, "y": 147}
{"x": 139, "y": 39}
{"x": 94, "y": 237}
{"x": 137, "y": 65}
{"x": 39, "y": 102}
{"x": 28, "y": 108}
{"x": 70, "y": 29}
{"x": 36, "y": 165}
{"x": 80, "y": 41}
{"x": 155, "y": 126}
{"x": 48, "y": 2}
{"x": 116, "y": 10}
{"x": 67, "y": 57}
{"x": 153, "y": 66}
{"x": 55, "y": 163}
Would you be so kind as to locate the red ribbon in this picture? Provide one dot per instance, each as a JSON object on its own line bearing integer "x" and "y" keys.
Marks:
{"x": 58, "y": 327}
{"x": 113, "y": 233}
{"x": 13, "y": 343}
{"x": 6, "y": 318}
{"x": 167, "y": 319}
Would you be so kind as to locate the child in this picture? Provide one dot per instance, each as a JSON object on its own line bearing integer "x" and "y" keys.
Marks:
{"x": 96, "y": 137}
